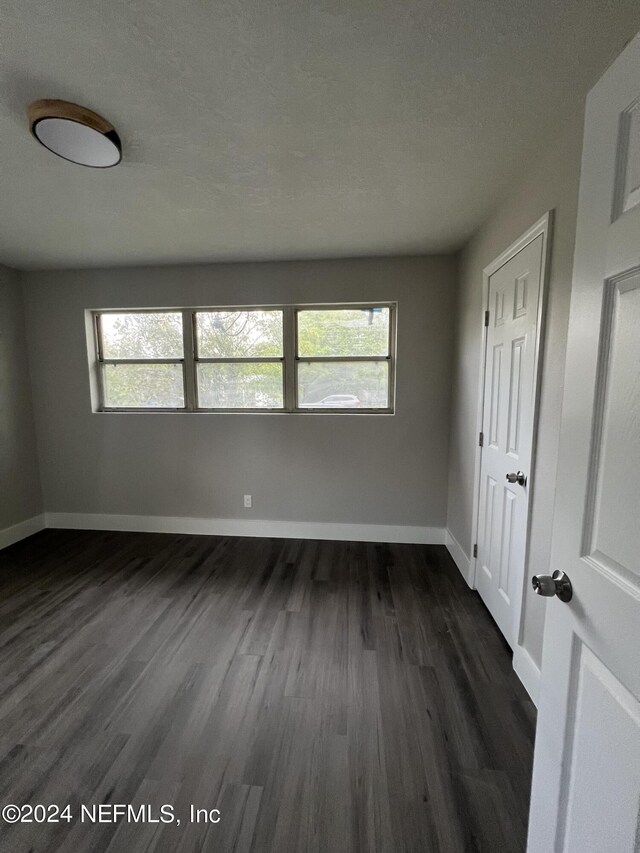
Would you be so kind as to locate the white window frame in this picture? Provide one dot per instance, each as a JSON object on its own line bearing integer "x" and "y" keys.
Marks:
{"x": 197, "y": 359}
{"x": 289, "y": 359}
{"x": 101, "y": 361}
{"x": 340, "y": 359}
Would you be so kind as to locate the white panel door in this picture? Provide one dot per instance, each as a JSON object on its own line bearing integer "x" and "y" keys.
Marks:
{"x": 514, "y": 290}
{"x": 586, "y": 779}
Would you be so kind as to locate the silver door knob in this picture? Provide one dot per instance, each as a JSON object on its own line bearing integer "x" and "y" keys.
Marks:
{"x": 518, "y": 478}
{"x": 556, "y": 584}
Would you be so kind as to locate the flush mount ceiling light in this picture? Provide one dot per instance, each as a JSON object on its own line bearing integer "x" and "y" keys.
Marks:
{"x": 75, "y": 133}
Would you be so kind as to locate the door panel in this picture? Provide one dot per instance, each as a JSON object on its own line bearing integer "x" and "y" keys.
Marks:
{"x": 615, "y": 468}
{"x": 506, "y": 555}
{"x": 515, "y": 393}
{"x": 586, "y": 781}
{"x": 496, "y": 408}
{"x": 509, "y": 391}
{"x": 604, "y": 744}
{"x": 520, "y": 296}
{"x": 487, "y": 556}
{"x": 627, "y": 186}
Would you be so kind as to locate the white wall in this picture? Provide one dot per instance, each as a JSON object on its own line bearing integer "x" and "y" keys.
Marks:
{"x": 20, "y": 493}
{"x": 550, "y": 183}
{"x": 347, "y": 469}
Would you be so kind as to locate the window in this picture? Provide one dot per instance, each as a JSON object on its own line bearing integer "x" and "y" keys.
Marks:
{"x": 239, "y": 359}
{"x": 325, "y": 358}
{"x": 142, "y": 360}
{"x": 343, "y": 358}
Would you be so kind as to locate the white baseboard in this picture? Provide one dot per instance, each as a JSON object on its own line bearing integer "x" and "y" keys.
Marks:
{"x": 527, "y": 671}
{"x": 459, "y": 557}
{"x": 248, "y": 527}
{"x": 19, "y": 531}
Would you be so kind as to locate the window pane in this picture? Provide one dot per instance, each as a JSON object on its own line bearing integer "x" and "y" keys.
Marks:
{"x": 343, "y": 331}
{"x": 147, "y": 335}
{"x": 137, "y": 386}
{"x": 239, "y": 334}
{"x": 343, "y": 385}
{"x": 240, "y": 386}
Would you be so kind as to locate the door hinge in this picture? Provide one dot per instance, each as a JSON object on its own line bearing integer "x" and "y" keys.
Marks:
{"x": 481, "y": 440}
{"x": 475, "y": 550}
{"x": 486, "y": 318}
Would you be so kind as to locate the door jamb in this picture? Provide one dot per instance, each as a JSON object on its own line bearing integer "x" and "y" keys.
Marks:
{"x": 543, "y": 227}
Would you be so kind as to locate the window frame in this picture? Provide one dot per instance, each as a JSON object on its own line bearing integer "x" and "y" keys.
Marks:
{"x": 197, "y": 359}
{"x": 290, "y": 359}
{"x": 341, "y": 359}
{"x": 101, "y": 361}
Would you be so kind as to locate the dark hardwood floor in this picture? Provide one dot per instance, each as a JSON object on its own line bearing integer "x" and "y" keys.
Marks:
{"x": 324, "y": 696}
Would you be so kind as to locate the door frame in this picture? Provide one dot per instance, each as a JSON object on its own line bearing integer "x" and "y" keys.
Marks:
{"x": 544, "y": 227}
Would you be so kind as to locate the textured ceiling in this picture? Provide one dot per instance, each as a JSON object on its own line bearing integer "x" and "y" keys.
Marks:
{"x": 288, "y": 128}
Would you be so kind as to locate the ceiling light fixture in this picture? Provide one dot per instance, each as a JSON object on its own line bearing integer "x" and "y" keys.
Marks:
{"x": 75, "y": 133}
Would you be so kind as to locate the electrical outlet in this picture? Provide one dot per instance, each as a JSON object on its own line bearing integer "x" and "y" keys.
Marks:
{"x": 248, "y": 501}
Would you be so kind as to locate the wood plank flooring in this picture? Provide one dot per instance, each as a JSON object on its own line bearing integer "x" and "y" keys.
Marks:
{"x": 326, "y": 697}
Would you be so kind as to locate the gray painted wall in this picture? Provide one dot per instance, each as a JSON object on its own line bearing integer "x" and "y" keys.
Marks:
{"x": 551, "y": 183}
{"x": 20, "y": 494}
{"x": 351, "y": 469}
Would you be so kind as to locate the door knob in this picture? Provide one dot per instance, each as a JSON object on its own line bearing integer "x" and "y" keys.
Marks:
{"x": 556, "y": 584}
{"x": 518, "y": 478}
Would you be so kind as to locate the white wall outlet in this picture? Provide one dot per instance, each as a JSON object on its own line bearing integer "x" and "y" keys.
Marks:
{"x": 248, "y": 501}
